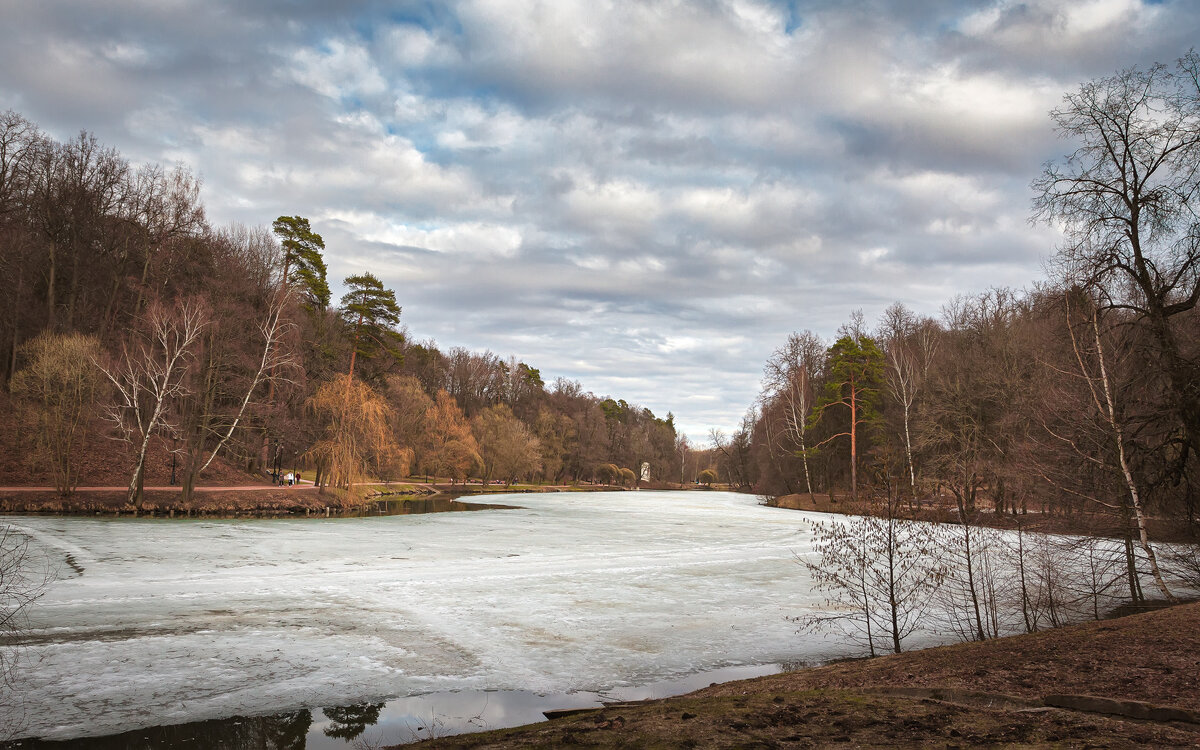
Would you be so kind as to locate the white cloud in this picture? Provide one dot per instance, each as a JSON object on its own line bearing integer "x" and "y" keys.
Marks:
{"x": 338, "y": 69}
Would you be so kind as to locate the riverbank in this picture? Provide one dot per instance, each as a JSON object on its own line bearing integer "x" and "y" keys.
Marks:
{"x": 1129, "y": 681}
{"x": 1081, "y": 524}
{"x": 257, "y": 500}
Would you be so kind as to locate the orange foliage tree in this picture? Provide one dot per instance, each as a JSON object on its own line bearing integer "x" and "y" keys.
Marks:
{"x": 357, "y": 432}
{"x": 452, "y": 449}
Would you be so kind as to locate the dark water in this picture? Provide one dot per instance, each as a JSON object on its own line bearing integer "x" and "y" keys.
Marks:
{"x": 395, "y": 721}
{"x": 405, "y": 506}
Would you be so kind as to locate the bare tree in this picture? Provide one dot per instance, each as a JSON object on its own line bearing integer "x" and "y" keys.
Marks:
{"x": 683, "y": 449}
{"x": 909, "y": 345}
{"x": 274, "y": 364}
{"x": 77, "y": 186}
{"x": 970, "y": 598}
{"x": 790, "y": 376}
{"x": 165, "y": 205}
{"x": 1104, "y": 399}
{"x": 20, "y": 145}
{"x": 1129, "y": 198}
{"x": 880, "y": 572}
{"x": 24, "y": 576}
{"x": 149, "y": 376}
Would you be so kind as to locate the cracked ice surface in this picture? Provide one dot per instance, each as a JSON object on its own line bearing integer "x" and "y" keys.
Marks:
{"x": 184, "y": 620}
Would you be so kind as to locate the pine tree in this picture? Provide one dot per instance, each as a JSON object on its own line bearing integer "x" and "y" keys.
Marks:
{"x": 372, "y": 314}
{"x": 303, "y": 264}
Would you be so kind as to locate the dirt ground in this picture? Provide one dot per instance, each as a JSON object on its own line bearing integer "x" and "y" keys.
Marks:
{"x": 218, "y": 501}
{"x": 1057, "y": 688}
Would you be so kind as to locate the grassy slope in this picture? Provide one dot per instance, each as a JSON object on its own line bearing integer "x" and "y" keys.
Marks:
{"x": 991, "y": 694}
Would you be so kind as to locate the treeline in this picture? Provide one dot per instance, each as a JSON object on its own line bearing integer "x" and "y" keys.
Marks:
{"x": 122, "y": 300}
{"x": 1079, "y": 396}
{"x": 1040, "y": 400}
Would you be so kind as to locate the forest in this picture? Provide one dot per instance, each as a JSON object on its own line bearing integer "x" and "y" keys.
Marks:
{"x": 128, "y": 317}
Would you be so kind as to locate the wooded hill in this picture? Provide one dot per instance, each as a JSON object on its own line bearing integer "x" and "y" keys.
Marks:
{"x": 128, "y": 316}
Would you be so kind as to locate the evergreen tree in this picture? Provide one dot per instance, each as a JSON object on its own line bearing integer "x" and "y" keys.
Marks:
{"x": 372, "y": 314}
{"x": 855, "y": 375}
{"x": 303, "y": 263}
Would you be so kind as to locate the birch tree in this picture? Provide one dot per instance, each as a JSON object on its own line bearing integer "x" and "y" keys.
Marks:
{"x": 909, "y": 346}
{"x": 1101, "y": 389}
{"x": 273, "y": 364}
{"x": 791, "y": 377}
{"x": 149, "y": 376}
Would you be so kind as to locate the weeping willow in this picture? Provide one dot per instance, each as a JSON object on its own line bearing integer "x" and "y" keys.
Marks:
{"x": 357, "y": 432}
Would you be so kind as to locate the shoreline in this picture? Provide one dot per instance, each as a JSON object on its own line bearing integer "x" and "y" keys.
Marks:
{"x": 256, "y": 501}
{"x": 1082, "y": 524}
{"x": 1047, "y": 688}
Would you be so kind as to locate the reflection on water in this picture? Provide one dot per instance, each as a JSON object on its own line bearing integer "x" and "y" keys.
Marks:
{"x": 401, "y": 720}
{"x": 389, "y": 506}
{"x": 282, "y": 732}
{"x": 347, "y": 722}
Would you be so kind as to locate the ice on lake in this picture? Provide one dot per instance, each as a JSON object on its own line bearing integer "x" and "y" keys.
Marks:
{"x": 175, "y": 621}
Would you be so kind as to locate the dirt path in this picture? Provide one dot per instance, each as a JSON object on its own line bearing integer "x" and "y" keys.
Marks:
{"x": 304, "y": 485}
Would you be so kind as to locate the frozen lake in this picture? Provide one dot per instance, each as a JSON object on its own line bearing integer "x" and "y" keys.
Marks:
{"x": 156, "y": 622}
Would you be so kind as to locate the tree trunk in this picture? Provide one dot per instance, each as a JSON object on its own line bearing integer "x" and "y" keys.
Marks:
{"x": 1131, "y": 485}
{"x": 51, "y": 281}
{"x": 1131, "y": 573}
{"x": 1029, "y": 628}
{"x": 853, "y": 442}
{"x": 892, "y": 602}
{"x": 912, "y": 471}
{"x": 971, "y": 576}
{"x": 188, "y": 483}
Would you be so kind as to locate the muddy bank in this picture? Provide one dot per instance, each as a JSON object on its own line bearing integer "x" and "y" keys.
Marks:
{"x": 1057, "y": 688}
{"x": 268, "y": 502}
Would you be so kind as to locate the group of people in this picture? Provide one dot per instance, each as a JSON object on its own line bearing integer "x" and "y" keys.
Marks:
{"x": 286, "y": 479}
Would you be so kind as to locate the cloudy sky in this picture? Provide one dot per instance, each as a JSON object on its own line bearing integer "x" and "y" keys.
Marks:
{"x": 645, "y": 196}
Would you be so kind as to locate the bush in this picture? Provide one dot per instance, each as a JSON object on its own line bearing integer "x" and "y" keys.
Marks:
{"x": 628, "y": 478}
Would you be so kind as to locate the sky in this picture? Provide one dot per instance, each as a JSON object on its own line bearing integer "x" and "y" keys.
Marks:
{"x": 646, "y": 197}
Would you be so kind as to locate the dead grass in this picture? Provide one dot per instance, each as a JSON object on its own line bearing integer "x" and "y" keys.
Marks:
{"x": 992, "y": 695}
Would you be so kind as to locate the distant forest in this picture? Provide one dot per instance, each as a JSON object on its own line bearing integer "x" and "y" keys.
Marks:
{"x": 128, "y": 316}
